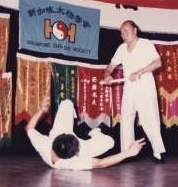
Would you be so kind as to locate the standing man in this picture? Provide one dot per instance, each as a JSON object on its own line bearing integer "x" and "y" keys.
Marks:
{"x": 139, "y": 59}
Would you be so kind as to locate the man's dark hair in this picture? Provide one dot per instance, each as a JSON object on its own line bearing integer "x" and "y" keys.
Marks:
{"x": 134, "y": 25}
{"x": 65, "y": 146}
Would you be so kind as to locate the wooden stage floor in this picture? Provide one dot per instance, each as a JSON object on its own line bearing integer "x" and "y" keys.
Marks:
{"x": 30, "y": 171}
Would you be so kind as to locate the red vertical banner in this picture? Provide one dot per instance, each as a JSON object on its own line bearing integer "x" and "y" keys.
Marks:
{"x": 93, "y": 97}
{"x": 4, "y": 40}
{"x": 32, "y": 85}
{"x": 167, "y": 82}
{"x": 117, "y": 91}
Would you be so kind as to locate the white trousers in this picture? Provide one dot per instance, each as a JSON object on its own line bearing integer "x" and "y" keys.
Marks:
{"x": 64, "y": 119}
{"x": 63, "y": 123}
{"x": 148, "y": 113}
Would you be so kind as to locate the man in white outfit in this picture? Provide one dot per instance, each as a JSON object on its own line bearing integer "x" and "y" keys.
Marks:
{"x": 139, "y": 59}
{"x": 62, "y": 149}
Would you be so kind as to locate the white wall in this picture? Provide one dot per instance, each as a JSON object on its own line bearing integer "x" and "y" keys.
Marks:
{"x": 148, "y": 19}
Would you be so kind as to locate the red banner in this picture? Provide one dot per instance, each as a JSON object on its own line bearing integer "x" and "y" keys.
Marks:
{"x": 167, "y": 82}
{"x": 96, "y": 103}
{"x": 93, "y": 97}
{"x": 117, "y": 90}
{"x": 166, "y": 4}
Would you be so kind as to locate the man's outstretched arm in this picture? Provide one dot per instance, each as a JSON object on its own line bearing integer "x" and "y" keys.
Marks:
{"x": 38, "y": 115}
{"x": 133, "y": 150}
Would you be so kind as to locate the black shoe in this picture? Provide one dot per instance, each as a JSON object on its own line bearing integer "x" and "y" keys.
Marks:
{"x": 157, "y": 160}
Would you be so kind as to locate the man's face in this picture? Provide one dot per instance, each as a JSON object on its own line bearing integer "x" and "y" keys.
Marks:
{"x": 128, "y": 33}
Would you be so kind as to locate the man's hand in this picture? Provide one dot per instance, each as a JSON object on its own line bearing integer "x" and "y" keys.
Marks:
{"x": 45, "y": 105}
{"x": 133, "y": 150}
{"x": 108, "y": 79}
{"x": 134, "y": 76}
{"x": 135, "y": 147}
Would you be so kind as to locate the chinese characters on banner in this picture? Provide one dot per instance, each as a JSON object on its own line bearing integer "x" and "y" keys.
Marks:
{"x": 167, "y": 82}
{"x": 94, "y": 98}
{"x": 81, "y": 83}
{"x": 5, "y": 109}
{"x": 4, "y": 39}
{"x": 65, "y": 81}
{"x": 32, "y": 85}
{"x": 57, "y": 27}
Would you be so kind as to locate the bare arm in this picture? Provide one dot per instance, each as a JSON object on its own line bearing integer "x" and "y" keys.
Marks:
{"x": 108, "y": 71}
{"x": 38, "y": 115}
{"x": 133, "y": 150}
{"x": 155, "y": 64}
